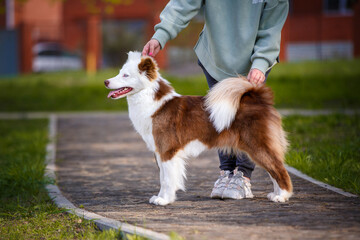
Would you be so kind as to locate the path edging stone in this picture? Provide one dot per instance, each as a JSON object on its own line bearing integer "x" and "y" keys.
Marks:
{"x": 321, "y": 184}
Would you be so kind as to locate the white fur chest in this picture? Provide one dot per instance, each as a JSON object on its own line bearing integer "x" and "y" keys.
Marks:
{"x": 141, "y": 108}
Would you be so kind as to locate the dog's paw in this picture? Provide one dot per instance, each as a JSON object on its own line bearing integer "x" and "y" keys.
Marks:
{"x": 156, "y": 200}
{"x": 277, "y": 198}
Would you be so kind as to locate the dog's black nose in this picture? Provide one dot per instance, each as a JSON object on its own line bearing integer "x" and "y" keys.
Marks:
{"x": 106, "y": 83}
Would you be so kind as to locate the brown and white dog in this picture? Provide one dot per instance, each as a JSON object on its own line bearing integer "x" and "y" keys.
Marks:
{"x": 234, "y": 116}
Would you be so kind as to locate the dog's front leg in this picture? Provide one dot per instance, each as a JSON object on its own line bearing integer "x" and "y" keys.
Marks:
{"x": 172, "y": 175}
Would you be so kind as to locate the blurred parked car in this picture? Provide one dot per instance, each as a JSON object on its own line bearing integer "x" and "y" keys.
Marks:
{"x": 50, "y": 57}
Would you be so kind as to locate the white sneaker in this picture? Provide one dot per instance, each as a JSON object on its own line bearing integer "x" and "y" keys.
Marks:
{"x": 238, "y": 187}
{"x": 220, "y": 184}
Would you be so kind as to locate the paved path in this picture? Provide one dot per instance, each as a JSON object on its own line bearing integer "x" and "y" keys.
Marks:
{"x": 104, "y": 166}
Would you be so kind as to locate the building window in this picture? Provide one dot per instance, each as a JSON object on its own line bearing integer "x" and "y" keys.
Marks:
{"x": 343, "y": 7}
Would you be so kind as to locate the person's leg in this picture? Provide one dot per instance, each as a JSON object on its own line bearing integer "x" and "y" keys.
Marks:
{"x": 245, "y": 165}
{"x": 227, "y": 161}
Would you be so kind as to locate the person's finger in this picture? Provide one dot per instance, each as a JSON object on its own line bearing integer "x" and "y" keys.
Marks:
{"x": 262, "y": 79}
{"x": 145, "y": 49}
{"x": 258, "y": 78}
{"x": 249, "y": 76}
{"x": 152, "y": 48}
{"x": 155, "y": 51}
{"x": 253, "y": 77}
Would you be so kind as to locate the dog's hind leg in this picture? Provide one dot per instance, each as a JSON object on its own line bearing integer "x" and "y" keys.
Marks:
{"x": 265, "y": 142}
{"x": 172, "y": 176}
{"x": 281, "y": 181}
{"x": 279, "y": 194}
{"x": 277, "y": 171}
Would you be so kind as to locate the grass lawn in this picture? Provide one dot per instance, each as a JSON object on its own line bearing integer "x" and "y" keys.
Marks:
{"x": 326, "y": 148}
{"x": 332, "y": 84}
{"x": 26, "y": 211}
{"x": 314, "y": 85}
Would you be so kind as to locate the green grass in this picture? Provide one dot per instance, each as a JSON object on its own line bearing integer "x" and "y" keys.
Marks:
{"x": 326, "y": 148}
{"x": 26, "y": 211}
{"x": 332, "y": 84}
{"x": 314, "y": 84}
{"x": 65, "y": 91}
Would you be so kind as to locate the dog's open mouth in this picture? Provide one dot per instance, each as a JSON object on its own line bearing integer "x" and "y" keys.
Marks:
{"x": 118, "y": 92}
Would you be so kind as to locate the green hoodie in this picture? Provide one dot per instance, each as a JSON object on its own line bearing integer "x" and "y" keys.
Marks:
{"x": 238, "y": 35}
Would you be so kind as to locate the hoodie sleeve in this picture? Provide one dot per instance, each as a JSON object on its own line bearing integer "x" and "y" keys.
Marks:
{"x": 267, "y": 45}
{"x": 174, "y": 18}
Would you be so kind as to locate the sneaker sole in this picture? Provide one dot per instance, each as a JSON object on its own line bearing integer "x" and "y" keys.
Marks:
{"x": 226, "y": 196}
{"x": 216, "y": 196}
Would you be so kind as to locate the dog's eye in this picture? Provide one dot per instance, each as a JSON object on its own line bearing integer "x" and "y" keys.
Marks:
{"x": 125, "y": 75}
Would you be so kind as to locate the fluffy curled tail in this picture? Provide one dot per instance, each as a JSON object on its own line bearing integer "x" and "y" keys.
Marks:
{"x": 223, "y": 100}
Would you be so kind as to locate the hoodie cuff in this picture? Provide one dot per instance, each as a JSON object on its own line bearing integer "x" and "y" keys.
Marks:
{"x": 261, "y": 64}
{"x": 162, "y": 36}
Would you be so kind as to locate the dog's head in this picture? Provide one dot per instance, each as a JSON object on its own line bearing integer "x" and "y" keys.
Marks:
{"x": 138, "y": 73}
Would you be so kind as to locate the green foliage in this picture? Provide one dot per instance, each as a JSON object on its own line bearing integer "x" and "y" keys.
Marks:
{"x": 326, "y": 148}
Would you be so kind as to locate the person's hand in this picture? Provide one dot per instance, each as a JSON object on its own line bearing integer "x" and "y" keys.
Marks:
{"x": 256, "y": 76}
{"x": 151, "y": 48}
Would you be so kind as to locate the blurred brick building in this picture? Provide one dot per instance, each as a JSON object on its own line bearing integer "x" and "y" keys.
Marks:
{"x": 76, "y": 24}
{"x": 321, "y": 29}
{"x": 315, "y": 29}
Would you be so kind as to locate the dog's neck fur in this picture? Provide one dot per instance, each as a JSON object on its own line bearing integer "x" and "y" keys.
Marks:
{"x": 143, "y": 105}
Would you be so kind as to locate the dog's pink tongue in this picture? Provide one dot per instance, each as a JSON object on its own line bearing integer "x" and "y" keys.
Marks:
{"x": 111, "y": 93}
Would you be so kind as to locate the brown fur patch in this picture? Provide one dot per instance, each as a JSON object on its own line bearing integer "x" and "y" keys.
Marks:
{"x": 177, "y": 123}
{"x": 163, "y": 90}
{"x": 257, "y": 130}
{"x": 148, "y": 66}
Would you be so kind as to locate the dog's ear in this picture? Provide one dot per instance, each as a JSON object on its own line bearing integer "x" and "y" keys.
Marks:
{"x": 149, "y": 66}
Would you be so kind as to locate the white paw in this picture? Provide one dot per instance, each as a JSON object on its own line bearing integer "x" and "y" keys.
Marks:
{"x": 276, "y": 198}
{"x": 156, "y": 200}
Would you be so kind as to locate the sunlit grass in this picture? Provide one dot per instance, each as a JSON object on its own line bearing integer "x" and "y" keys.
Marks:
{"x": 326, "y": 148}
